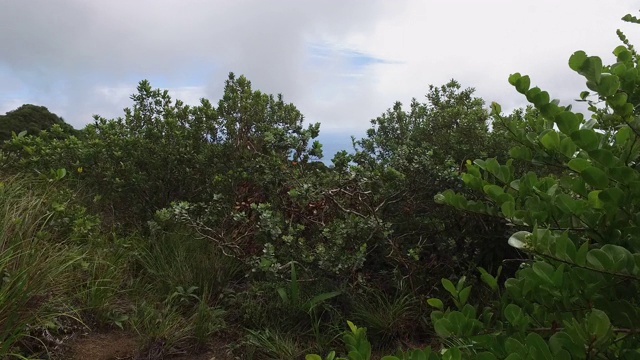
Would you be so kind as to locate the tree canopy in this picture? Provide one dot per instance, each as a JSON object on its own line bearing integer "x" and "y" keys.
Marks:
{"x": 32, "y": 119}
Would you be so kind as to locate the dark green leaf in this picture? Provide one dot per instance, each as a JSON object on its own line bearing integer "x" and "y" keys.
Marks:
{"x": 608, "y": 86}
{"x": 586, "y": 139}
{"x": 599, "y": 259}
{"x": 567, "y": 121}
{"x": 577, "y": 60}
{"x": 550, "y": 140}
{"x": 617, "y": 99}
{"x": 522, "y": 84}
{"x": 613, "y": 196}
{"x": 604, "y": 157}
{"x": 579, "y": 164}
{"x": 595, "y": 177}
{"x": 568, "y": 147}
{"x": 513, "y": 78}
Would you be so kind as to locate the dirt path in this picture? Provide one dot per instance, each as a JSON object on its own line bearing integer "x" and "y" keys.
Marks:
{"x": 107, "y": 346}
{"x": 117, "y": 345}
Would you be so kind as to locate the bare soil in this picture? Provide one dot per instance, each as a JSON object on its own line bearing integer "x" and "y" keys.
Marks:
{"x": 120, "y": 345}
{"x": 104, "y": 346}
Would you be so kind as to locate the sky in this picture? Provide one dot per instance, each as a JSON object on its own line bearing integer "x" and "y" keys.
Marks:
{"x": 341, "y": 62}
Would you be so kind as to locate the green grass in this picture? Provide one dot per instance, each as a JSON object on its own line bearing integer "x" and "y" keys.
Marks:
{"x": 34, "y": 263}
{"x": 274, "y": 345}
{"x": 388, "y": 319}
{"x": 169, "y": 261}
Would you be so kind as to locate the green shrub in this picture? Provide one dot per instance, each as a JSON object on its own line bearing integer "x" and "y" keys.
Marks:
{"x": 576, "y": 294}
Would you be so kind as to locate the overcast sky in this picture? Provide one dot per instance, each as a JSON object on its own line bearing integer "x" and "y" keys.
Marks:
{"x": 340, "y": 62}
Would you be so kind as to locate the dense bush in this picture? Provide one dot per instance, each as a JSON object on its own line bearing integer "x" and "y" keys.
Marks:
{"x": 575, "y": 295}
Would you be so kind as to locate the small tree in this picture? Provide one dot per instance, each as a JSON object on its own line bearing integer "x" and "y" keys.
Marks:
{"x": 576, "y": 296}
{"x": 407, "y": 157}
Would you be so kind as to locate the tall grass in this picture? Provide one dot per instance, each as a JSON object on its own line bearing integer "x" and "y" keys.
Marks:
{"x": 174, "y": 260}
{"x": 388, "y": 319}
{"x": 33, "y": 261}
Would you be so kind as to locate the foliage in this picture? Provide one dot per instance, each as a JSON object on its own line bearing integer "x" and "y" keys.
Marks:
{"x": 233, "y": 225}
{"x": 408, "y": 157}
{"x": 178, "y": 261}
{"x": 198, "y": 151}
{"x": 292, "y": 297}
{"x": 32, "y": 119}
{"x": 577, "y": 295}
{"x": 272, "y": 345}
{"x": 34, "y": 261}
{"x": 389, "y": 319}
{"x": 359, "y": 348}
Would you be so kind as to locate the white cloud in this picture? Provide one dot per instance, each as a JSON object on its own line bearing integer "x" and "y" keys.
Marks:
{"x": 341, "y": 62}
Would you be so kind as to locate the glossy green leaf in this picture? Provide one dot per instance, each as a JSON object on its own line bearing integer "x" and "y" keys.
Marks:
{"x": 613, "y": 196}
{"x": 568, "y": 147}
{"x": 485, "y": 356}
{"x": 452, "y": 354}
{"x": 522, "y": 84}
{"x": 561, "y": 340}
{"x": 532, "y": 93}
{"x": 581, "y": 256}
{"x": 544, "y": 271}
{"x": 577, "y": 60}
{"x": 598, "y": 323}
{"x": 584, "y": 95}
{"x": 550, "y": 140}
{"x": 600, "y": 260}
{"x": 464, "y": 295}
{"x": 550, "y": 111}
{"x": 538, "y": 346}
{"x": 493, "y": 191}
{"x": 623, "y": 174}
{"x": 436, "y": 303}
{"x": 592, "y": 68}
{"x": 623, "y": 134}
{"x": 488, "y": 279}
{"x": 513, "y": 314}
{"x": 443, "y": 328}
{"x": 594, "y": 199}
{"x": 579, "y": 164}
{"x": 567, "y": 122}
{"x": 621, "y": 257}
{"x": 617, "y": 99}
{"x": 496, "y": 109}
{"x": 448, "y": 285}
{"x": 586, "y": 139}
{"x": 540, "y": 99}
{"x": 513, "y": 78}
{"x": 608, "y": 85}
{"x": 595, "y": 177}
{"x": 604, "y": 157}
{"x": 508, "y": 209}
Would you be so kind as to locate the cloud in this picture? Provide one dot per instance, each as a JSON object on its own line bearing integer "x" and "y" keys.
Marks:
{"x": 341, "y": 62}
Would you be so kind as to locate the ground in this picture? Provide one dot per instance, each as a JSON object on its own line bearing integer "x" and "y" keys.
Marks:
{"x": 120, "y": 345}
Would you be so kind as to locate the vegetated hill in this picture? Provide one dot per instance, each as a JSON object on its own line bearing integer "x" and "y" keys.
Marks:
{"x": 33, "y": 119}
